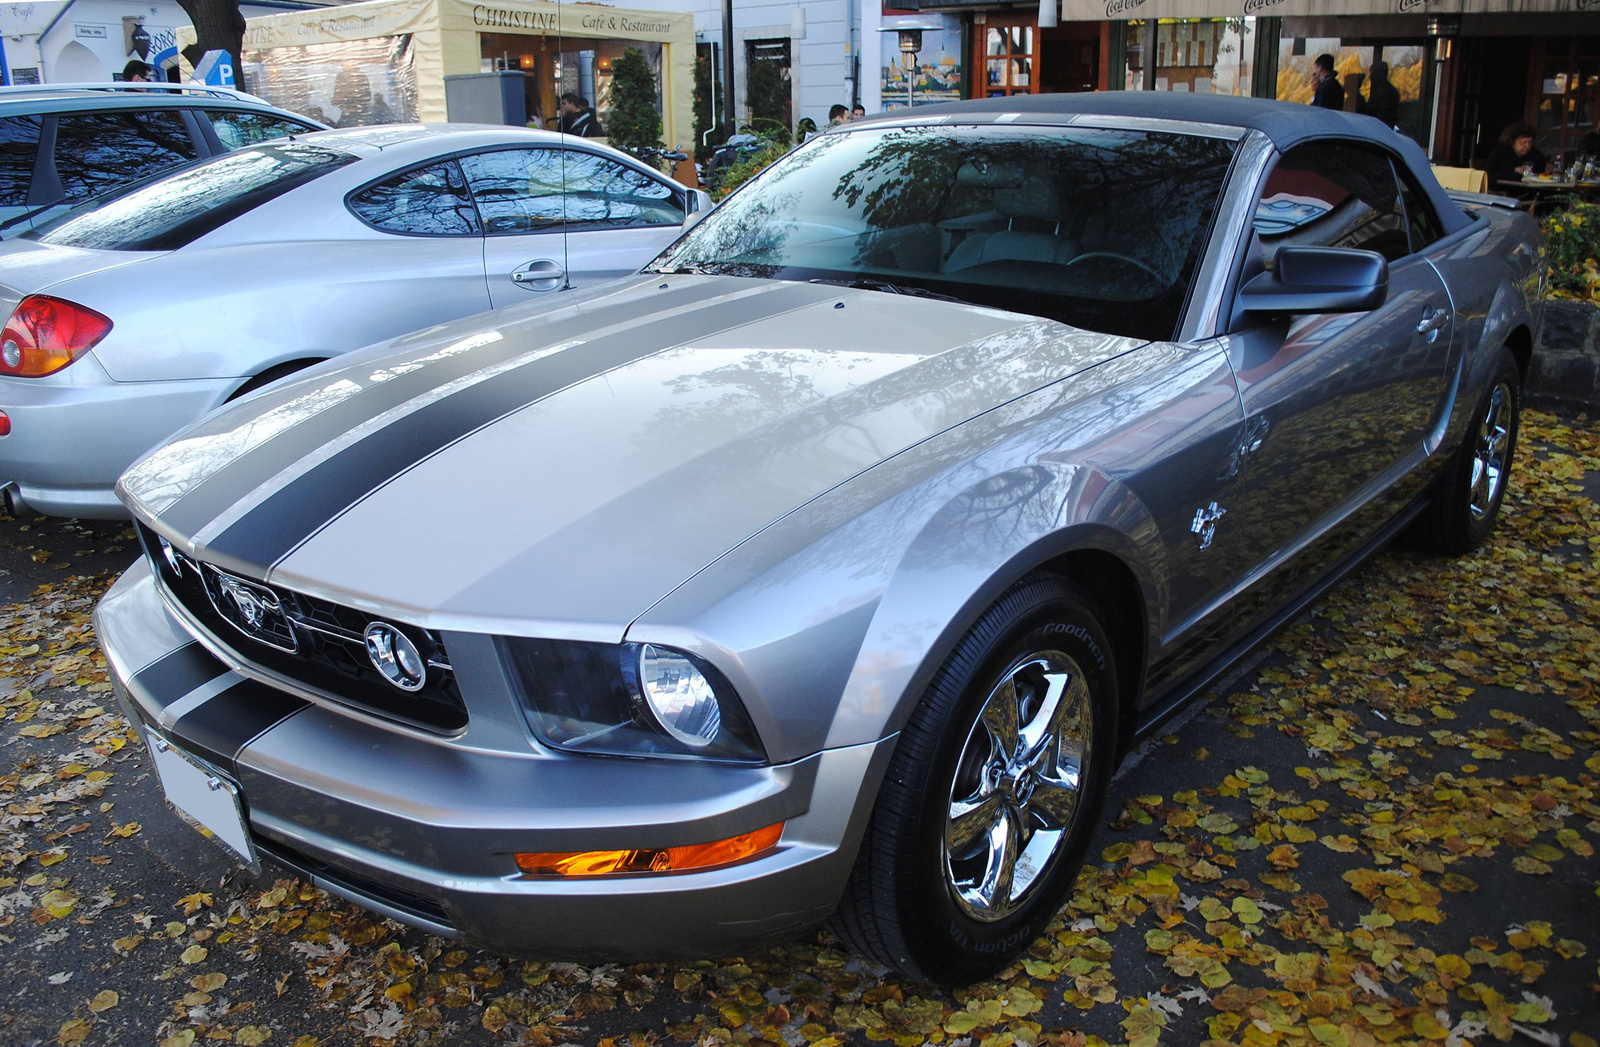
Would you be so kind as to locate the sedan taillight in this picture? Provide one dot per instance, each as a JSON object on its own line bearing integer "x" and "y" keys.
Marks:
{"x": 46, "y": 334}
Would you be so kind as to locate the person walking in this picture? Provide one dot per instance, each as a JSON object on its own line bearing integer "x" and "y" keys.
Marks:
{"x": 137, "y": 72}
{"x": 1328, "y": 93}
{"x": 1383, "y": 98}
{"x": 578, "y": 119}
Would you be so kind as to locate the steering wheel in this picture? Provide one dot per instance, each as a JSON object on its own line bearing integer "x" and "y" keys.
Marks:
{"x": 1116, "y": 257}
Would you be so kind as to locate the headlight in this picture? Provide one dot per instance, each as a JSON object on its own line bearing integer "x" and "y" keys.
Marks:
{"x": 629, "y": 700}
{"x": 680, "y": 697}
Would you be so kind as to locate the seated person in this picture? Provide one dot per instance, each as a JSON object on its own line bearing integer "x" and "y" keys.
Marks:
{"x": 1513, "y": 155}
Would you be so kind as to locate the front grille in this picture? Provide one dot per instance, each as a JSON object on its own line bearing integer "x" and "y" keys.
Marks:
{"x": 405, "y": 901}
{"x": 312, "y": 641}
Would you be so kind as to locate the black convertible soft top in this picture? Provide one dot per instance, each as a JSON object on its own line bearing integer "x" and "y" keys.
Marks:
{"x": 1285, "y": 123}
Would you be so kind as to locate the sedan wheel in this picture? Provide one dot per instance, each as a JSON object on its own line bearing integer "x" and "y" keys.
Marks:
{"x": 990, "y": 799}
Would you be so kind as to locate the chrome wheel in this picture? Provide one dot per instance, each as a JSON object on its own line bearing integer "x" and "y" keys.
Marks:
{"x": 1489, "y": 454}
{"x": 1017, "y": 784}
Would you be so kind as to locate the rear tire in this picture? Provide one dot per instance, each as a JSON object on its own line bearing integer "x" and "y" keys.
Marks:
{"x": 1467, "y": 495}
{"x": 993, "y": 792}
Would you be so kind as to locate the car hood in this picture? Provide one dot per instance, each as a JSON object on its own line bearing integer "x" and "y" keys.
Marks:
{"x": 556, "y": 471}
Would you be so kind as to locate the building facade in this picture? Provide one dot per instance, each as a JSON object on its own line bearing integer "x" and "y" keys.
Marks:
{"x": 1451, "y": 74}
{"x": 90, "y": 41}
{"x": 793, "y": 59}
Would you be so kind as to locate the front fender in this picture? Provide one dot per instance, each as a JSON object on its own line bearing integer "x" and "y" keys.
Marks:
{"x": 974, "y": 548}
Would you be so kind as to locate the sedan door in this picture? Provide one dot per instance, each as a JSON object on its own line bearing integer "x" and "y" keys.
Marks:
{"x": 559, "y": 218}
{"x": 428, "y": 266}
{"x": 618, "y": 217}
{"x": 519, "y": 196}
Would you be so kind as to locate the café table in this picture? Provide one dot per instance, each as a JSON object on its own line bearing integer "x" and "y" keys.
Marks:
{"x": 1545, "y": 188}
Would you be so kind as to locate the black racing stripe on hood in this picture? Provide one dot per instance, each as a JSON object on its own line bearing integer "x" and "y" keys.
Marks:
{"x": 212, "y": 496}
{"x": 289, "y": 516}
{"x": 174, "y": 675}
{"x": 218, "y": 729}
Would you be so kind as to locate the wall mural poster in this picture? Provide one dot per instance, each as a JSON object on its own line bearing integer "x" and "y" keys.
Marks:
{"x": 938, "y": 66}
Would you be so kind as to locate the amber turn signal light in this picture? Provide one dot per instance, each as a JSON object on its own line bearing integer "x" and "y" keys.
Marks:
{"x": 651, "y": 860}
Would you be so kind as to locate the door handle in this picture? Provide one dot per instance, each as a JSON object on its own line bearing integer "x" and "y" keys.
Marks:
{"x": 1433, "y": 318}
{"x": 543, "y": 275}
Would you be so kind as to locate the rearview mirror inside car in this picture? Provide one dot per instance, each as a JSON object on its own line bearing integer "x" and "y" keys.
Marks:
{"x": 1318, "y": 280}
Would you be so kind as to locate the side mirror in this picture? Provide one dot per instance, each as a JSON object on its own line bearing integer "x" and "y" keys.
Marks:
{"x": 700, "y": 205}
{"x": 1319, "y": 280}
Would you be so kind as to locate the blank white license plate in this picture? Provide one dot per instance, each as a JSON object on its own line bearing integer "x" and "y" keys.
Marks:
{"x": 212, "y": 801}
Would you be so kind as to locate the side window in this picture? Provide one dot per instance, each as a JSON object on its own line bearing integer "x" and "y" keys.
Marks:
{"x": 430, "y": 201}
{"x": 236, "y": 128}
{"x": 19, "y": 146}
{"x": 516, "y": 190}
{"x": 603, "y": 194}
{"x": 1333, "y": 194}
{"x": 1421, "y": 222}
{"x": 98, "y": 151}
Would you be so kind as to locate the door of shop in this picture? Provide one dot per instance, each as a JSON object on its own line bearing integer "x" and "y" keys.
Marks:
{"x": 1005, "y": 53}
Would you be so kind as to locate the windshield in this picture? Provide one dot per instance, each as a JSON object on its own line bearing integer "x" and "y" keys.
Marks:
{"x": 179, "y": 208}
{"x": 1097, "y": 228}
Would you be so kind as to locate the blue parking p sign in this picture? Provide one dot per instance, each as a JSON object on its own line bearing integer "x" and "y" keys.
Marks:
{"x": 215, "y": 69}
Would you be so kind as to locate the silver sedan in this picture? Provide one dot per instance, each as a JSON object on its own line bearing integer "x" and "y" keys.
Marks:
{"x": 134, "y": 318}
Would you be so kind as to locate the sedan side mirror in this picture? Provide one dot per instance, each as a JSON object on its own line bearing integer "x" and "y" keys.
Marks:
{"x": 1319, "y": 280}
{"x": 700, "y": 205}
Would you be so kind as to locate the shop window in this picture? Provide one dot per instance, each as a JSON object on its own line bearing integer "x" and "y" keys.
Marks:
{"x": 1006, "y": 54}
{"x": 1565, "y": 95}
{"x": 430, "y": 201}
{"x": 1383, "y": 80}
{"x": 767, "y": 85}
{"x": 350, "y": 83}
{"x": 1194, "y": 55}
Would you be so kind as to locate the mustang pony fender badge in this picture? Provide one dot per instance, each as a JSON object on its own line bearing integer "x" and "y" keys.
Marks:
{"x": 1205, "y": 523}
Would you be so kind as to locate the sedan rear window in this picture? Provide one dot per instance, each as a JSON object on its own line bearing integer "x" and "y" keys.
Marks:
{"x": 178, "y": 209}
{"x": 100, "y": 151}
{"x": 1098, "y": 228}
{"x": 19, "y": 150}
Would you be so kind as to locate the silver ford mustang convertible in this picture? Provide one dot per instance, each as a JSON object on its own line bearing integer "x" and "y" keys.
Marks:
{"x": 827, "y": 567}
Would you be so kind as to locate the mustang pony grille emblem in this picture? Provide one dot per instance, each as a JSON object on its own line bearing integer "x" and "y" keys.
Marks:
{"x": 252, "y": 609}
{"x": 1205, "y": 523}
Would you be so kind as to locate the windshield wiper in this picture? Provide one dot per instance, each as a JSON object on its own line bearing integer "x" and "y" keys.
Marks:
{"x": 682, "y": 270}
{"x": 867, "y": 284}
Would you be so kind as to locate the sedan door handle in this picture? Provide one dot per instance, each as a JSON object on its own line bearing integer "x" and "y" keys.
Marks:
{"x": 1432, "y": 319}
{"x": 543, "y": 275}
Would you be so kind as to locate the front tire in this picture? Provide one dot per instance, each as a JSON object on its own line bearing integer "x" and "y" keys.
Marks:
{"x": 992, "y": 794}
{"x": 1467, "y": 495}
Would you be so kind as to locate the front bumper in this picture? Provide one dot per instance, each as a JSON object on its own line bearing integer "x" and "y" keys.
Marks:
{"x": 74, "y": 432}
{"x": 423, "y": 828}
